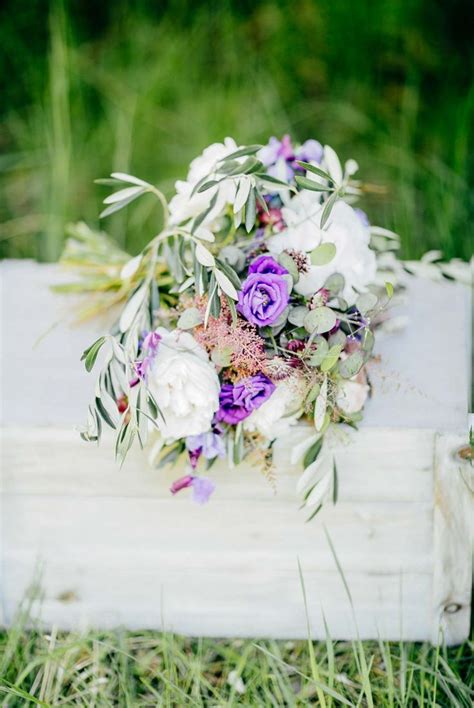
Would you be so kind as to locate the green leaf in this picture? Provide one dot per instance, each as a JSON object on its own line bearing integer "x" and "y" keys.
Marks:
{"x": 190, "y": 318}
{"x": 337, "y": 338}
{"x": 328, "y": 206}
{"x": 226, "y": 268}
{"x": 312, "y": 453}
{"x": 250, "y": 210}
{"x": 241, "y": 152}
{"x": 287, "y": 262}
{"x": 315, "y": 170}
{"x": 272, "y": 180}
{"x": 89, "y": 356}
{"x": 312, "y": 185}
{"x": 320, "y": 406}
{"x": 200, "y": 218}
{"x": 351, "y": 366}
{"x": 366, "y": 302}
{"x": 335, "y": 283}
{"x": 323, "y": 254}
{"x": 319, "y": 355}
{"x": 124, "y": 194}
{"x": 119, "y": 205}
{"x": 222, "y": 357}
{"x": 204, "y": 256}
{"x": 297, "y": 314}
{"x": 131, "y": 308}
{"x": 207, "y": 185}
{"x": 225, "y": 284}
{"x": 320, "y": 320}
{"x": 331, "y": 358}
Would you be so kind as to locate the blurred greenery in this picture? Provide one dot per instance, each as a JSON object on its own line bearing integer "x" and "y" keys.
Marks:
{"x": 144, "y": 86}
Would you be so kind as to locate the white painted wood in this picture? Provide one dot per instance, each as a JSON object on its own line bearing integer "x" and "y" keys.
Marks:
{"x": 112, "y": 547}
{"x": 452, "y": 552}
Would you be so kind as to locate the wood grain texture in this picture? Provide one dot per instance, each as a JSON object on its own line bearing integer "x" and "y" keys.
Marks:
{"x": 452, "y": 549}
{"x": 109, "y": 546}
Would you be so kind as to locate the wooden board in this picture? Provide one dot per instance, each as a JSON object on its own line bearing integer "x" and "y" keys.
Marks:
{"x": 106, "y": 546}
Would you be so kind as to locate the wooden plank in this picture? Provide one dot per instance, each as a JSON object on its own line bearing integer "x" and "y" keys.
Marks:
{"x": 382, "y": 465}
{"x": 453, "y": 541}
{"x": 369, "y": 537}
{"x": 267, "y": 602}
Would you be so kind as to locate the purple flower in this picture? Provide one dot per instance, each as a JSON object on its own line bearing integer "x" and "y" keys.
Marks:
{"x": 209, "y": 444}
{"x": 266, "y": 264}
{"x": 149, "y": 347}
{"x": 310, "y": 151}
{"x": 275, "y": 150}
{"x": 237, "y": 401}
{"x": 263, "y": 297}
{"x": 202, "y": 487}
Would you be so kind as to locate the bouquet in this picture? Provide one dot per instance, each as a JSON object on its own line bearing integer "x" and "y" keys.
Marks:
{"x": 253, "y": 310}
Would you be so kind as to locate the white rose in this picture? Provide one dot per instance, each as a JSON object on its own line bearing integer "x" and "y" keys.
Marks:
{"x": 352, "y": 396}
{"x": 279, "y": 412}
{"x": 185, "y": 385}
{"x": 183, "y": 207}
{"x": 302, "y": 215}
{"x": 354, "y": 258}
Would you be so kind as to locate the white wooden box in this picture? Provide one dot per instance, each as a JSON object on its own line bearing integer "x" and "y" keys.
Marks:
{"x": 111, "y": 547}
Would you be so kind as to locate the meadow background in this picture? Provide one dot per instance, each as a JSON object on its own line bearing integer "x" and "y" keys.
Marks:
{"x": 142, "y": 87}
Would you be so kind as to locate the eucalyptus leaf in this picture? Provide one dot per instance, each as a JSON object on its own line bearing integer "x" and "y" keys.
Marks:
{"x": 323, "y": 254}
{"x": 335, "y": 283}
{"x": 320, "y": 320}
{"x": 319, "y": 355}
{"x": 337, "y": 338}
{"x": 366, "y": 302}
{"x": 351, "y": 366}
{"x": 297, "y": 314}
{"x": 190, "y": 318}
{"x": 288, "y": 262}
{"x": 331, "y": 358}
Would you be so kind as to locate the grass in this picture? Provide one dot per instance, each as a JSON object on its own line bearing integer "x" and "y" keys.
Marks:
{"x": 144, "y": 89}
{"x": 123, "y": 668}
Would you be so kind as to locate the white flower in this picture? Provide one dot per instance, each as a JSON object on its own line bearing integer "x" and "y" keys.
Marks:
{"x": 183, "y": 207}
{"x": 280, "y": 411}
{"x": 302, "y": 215}
{"x": 185, "y": 385}
{"x": 352, "y": 395}
{"x": 354, "y": 258}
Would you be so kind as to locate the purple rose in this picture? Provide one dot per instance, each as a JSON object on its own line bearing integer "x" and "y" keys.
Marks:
{"x": 263, "y": 297}
{"x": 237, "y": 401}
{"x": 266, "y": 264}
